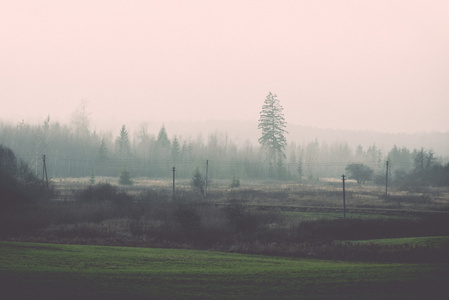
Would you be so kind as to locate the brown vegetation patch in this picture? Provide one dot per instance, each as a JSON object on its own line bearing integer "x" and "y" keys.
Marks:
{"x": 252, "y": 219}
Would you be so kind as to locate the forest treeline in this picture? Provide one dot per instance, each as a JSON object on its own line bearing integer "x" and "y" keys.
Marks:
{"x": 73, "y": 150}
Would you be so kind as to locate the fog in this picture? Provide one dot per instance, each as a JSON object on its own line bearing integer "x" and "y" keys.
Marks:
{"x": 352, "y": 65}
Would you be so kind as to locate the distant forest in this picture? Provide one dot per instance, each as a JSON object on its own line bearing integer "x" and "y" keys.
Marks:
{"x": 73, "y": 150}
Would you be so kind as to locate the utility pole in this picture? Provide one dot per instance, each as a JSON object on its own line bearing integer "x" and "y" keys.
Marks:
{"x": 173, "y": 170}
{"x": 44, "y": 171}
{"x": 344, "y": 197}
{"x": 386, "y": 183}
{"x": 207, "y": 169}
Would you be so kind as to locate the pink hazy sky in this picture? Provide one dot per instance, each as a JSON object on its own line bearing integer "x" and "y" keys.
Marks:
{"x": 350, "y": 64}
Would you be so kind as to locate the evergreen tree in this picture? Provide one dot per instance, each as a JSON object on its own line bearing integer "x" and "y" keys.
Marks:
{"x": 162, "y": 139}
{"x": 161, "y": 153}
{"x": 175, "y": 150}
{"x": 123, "y": 142}
{"x": 197, "y": 182}
{"x": 18, "y": 184}
{"x": 92, "y": 178}
{"x": 272, "y": 123}
{"x": 103, "y": 151}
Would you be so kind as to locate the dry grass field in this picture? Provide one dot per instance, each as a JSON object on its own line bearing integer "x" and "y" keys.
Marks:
{"x": 324, "y": 194}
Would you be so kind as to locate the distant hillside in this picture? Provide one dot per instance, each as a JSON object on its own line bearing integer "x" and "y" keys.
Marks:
{"x": 437, "y": 141}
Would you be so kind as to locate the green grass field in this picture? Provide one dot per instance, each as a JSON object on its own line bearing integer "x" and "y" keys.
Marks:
{"x": 428, "y": 241}
{"x": 50, "y": 271}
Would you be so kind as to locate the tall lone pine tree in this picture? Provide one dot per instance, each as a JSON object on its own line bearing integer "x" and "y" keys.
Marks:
{"x": 272, "y": 123}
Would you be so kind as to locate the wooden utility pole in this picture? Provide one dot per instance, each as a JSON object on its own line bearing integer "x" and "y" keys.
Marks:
{"x": 344, "y": 197}
{"x": 207, "y": 170}
{"x": 386, "y": 183}
{"x": 44, "y": 171}
{"x": 173, "y": 170}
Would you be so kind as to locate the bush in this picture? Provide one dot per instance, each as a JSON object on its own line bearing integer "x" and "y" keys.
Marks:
{"x": 235, "y": 183}
{"x": 103, "y": 192}
{"x": 99, "y": 192}
{"x": 125, "y": 178}
{"x": 359, "y": 172}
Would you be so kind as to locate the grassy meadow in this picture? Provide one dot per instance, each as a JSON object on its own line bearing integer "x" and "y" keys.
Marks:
{"x": 49, "y": 271}
{"x": 431, "y": 241}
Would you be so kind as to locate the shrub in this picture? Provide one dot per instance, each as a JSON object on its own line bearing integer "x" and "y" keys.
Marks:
{"x": 125, "y": 178}
{"x": 359, "y": 172}
{"x": 235, "y": 183}
{"x": 103, "y": 192}
{"x": 98, "y": 192}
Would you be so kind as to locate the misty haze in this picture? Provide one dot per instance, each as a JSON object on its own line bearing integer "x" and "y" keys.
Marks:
{"x": 224, "y": 150}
